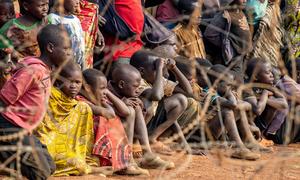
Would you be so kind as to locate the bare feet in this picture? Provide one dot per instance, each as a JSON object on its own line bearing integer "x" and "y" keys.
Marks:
{"x": 245, "y": 154}
{"x": 151, "y": 161}
{"x": 161, "y": 148}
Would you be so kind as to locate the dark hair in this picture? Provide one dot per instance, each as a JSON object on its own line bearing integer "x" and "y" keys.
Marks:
{"x": 50, "y": 34}
{"x": 90, "y": 76}
{"x": 184, "y": 65}
{"x": 253, "y": 66}
{"x": 141, "y": 58}
{"x": 220, "y": 69}
{"x": 68, "y": 68}
{"x": 6, "y": 1}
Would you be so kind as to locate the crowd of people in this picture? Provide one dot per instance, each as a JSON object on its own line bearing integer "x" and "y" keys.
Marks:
{"x": 100, "y": 86}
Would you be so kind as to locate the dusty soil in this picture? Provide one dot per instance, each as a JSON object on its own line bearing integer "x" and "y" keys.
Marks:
{"x": 283, "y": 163}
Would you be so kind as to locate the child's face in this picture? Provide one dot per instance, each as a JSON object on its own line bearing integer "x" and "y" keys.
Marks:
{"x": 100, "y": 89}
{"x": 224, "y": 86}
{"x": 72, "y": 6}
{"x": 7, "y": 13}
{"x": 131, "y": 88}
{"x": 38, "y": 9}
{"x": 265, "y": 74}
{"x": 61, "y": 51}
{"x": 71, "y": 85}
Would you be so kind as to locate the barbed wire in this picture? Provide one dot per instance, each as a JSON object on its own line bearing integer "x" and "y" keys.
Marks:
{"x": 206, "y": 139}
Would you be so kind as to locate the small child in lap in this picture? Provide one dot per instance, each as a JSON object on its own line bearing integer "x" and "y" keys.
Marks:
{"x": 266, "y": 101}
{"x": 21, "y": 32}
{"x": 125, "y": 84}
{"x": 73, "y": 26}
{"x": 67, "y": 128}
{"x": 111, "y": 142}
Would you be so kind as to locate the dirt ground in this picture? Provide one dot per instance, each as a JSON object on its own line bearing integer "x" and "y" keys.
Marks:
{"x": 283, "y": 163}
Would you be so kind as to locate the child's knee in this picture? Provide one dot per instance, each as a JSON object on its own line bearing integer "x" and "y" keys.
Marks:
{"x": 182, "y": 101}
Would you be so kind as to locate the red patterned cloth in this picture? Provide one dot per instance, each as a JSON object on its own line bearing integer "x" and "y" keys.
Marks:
{"x": 111, "y": 143}
{"x": 88, "y": 17}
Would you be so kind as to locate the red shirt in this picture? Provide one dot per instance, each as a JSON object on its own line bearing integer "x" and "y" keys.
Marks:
{"x": 131, "y": 12}
{"x": 26, "y": 93}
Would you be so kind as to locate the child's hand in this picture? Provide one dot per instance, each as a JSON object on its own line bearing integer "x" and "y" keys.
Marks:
{"x": 159, "y": 64}
{"x": 171, "y": 64}
{"x": 101, "y": 21}
{"x": 133, "y": 102}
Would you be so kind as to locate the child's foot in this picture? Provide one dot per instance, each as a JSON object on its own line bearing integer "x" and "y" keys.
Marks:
{"x": 133, "y": 171}
{"x": 258, "y": 147}
{"x": 161, "y": 148}
{"x": 151, "y": 161}
{"x": 245, "y": 154}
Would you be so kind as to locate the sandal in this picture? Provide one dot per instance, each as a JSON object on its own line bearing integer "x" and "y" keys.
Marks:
{"x": 137, "y": 151}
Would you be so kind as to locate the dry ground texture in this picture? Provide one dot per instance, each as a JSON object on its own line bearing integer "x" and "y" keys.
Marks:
{"x": 283, "y": 164}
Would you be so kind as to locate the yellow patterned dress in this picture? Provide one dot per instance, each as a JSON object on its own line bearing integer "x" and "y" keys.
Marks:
{"x": 67, "y": 131}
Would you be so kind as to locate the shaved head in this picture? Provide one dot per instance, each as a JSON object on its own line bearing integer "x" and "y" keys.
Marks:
{"x": 124, "y": 72}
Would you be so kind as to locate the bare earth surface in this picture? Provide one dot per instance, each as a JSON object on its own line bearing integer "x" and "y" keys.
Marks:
{"x": 283, "y": 163}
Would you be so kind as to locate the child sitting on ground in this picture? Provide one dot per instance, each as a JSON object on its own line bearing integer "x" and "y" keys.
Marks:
{"x": 111, "y": 143}
{"x": 125, "y": 84}
{"x": 28, "y": 90}
{"x": 73, "y": 26}
{"x": 21, "y": 33}
{"x": 163, "y": 105}
{"x": 265, "y": 100}
{"x": 67, "y": 128}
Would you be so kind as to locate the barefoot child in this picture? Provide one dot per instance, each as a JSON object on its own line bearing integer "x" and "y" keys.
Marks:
{"x": 265, "y": 101}
{"x": 29, "y": 89}
{"x": 73, "y": 26}
{"x": 67, "y": 128}
{"x": 21, "y": 33}
{"x": 159, "y": 94}
{"x": 125, "y": 84}
{"x": 111, "y": 143}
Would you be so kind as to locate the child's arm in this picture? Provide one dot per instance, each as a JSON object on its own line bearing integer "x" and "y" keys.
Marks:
{"x": 258, "y": 106}
{"x": 105, "y": 111}
{"x": 277, "y": 101}
{"x": 228, "y": 100}
{"x": 184, "y": 84}
{"x": 119, "y": 106}
{"x": 156, "y": 93}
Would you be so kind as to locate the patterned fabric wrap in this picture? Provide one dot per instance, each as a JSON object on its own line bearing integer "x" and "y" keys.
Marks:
{"x": 67, "y": 131}
{"x": 111, "y": 143}
{"x": 267, "y": 40}
{"x": 88, "y": 17}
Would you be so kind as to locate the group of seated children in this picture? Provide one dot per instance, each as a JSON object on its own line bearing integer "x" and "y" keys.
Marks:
{"x": 80, "y": 121}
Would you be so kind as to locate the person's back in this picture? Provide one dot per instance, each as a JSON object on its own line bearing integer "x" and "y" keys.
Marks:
{"x": 73, "y": 26}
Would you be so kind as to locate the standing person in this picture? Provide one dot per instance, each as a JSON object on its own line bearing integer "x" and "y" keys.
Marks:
{"x": 230, "y": 46}
{"x": 73, "y": 26}
{"x": 88, "y": 16}
{"x": 21, "y": 33}
{"x": 29, "y": 90}
{"x": 131, "y": 12}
